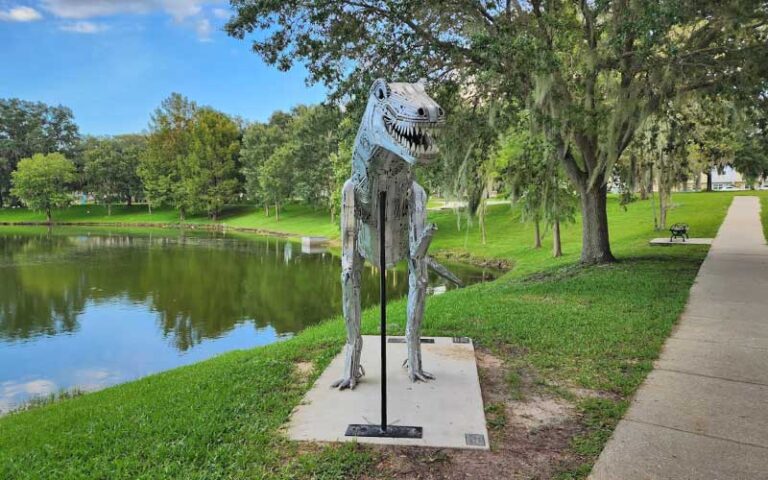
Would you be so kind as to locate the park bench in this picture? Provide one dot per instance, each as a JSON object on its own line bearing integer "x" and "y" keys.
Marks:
{"x": 678, "y": 230}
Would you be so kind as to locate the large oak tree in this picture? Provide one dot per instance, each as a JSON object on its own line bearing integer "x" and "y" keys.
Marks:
{"x": 591, "y": 70}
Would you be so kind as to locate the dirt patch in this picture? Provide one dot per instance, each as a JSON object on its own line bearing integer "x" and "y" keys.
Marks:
{"x": 539, "y": 412}
{"x": 530, "y": 431}
{"x": 304, "y": 369}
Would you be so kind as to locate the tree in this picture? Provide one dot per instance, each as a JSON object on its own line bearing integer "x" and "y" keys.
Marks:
{"x": 467, "y": 169}
{"x": 42, "y": 182}
{"x": 560, "y": 204}
{"x": 527, "y": 164}
{"x": 713, "y": 134}
{"x": 27, "y": 128}
{"x": 110, "y": 168}
{"x": 275, "y": 176}
{"x": 260, "y": 141}
{"x": 161, "y": 166}
{"x": 593, "y": 70}
{"x": 536, "y": 180}
{"x": 210, "y": 172}
{"x": 316, "y": 133}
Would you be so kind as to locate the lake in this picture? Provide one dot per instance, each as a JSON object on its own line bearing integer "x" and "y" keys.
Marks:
{"x": 88, "y": 308}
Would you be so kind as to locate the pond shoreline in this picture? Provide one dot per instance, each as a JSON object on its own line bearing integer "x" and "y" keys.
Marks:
{"x": 501, "y": 264}
{"x": 213, "y": 227}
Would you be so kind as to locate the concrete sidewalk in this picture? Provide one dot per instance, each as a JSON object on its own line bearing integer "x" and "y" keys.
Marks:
{"x": 703, "y": 412}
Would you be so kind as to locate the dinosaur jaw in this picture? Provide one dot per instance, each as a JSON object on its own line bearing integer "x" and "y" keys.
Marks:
{"x": 418, "y": 138}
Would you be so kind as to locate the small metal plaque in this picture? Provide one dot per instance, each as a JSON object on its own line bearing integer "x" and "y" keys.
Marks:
{"x": 402, "y": 340}
{"x": 461, "y": 340}
{"x": 475, "y": 439}
{"x": 392, "y": 431}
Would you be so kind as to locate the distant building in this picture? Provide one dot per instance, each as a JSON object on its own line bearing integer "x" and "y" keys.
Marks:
{"x": 729, "y": 177}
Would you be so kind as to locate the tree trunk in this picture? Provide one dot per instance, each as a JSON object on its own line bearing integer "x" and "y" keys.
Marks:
{"x": 181, "y": 215}
{"x": 1, "y": 199}
{"x": 109, "y": 209}
{"x": 709, "y": 180}
{"x": 649, "y": 185}
{"x": 48, "y": 216}
{"x": 643, "y": 189}
{"x": 557, "y": 249}
{"x": 277, "y": 212}
{"x": 129, "y": 201}
{"x": 595, "y": 246}
{"x": 149, "y": 206}
{"x": 481, "y": 210}
{"x": 215, "y": 216}
{"x": 537, "y": 241}
{"x": 266, "y": 209}
{"x": 663, "y": 206}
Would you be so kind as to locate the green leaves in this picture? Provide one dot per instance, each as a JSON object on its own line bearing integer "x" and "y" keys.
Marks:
{"x": 110, "y": 166}
{"x": 192, "y": 158}
{"x": 210, "y": 172}
{"x": 27, "y": 128}
{"x": 296, "y": 155}
{"x": 42, "y": 182}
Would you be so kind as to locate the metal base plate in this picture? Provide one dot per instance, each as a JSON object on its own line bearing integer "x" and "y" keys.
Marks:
{"x": 392, "y": 431}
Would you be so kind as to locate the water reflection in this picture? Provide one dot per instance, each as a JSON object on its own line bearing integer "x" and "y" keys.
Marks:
{"x": 91, "y": 308}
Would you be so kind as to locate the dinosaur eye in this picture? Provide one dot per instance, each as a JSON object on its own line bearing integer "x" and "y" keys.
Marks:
{"x": 421, "y": 112}
{"x": 440, "y": 111}
{"x": 380, "y": 94}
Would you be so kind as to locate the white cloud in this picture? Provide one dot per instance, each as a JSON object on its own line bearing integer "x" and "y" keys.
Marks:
{"x": 203, "y": 30}
{"x": 194, "y": 14}
{"x": 20, "y": 14}
{"x": 221, "y": 13}
{"x": 82, "y": 9}
{"x": 83, "y": 27}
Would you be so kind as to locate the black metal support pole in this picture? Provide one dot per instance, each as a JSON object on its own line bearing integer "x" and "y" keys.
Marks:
{"x": 383, "y": 304}
{"x": 384, "y": 430}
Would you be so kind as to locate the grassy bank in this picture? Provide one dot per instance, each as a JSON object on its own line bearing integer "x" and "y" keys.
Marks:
{"x": 295, "y": 220}
{"x": 585, "y": 337}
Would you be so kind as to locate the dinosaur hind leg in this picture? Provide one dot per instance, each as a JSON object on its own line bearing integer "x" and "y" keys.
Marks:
{"x": 351, "y": 269}
{"x": 420, "y": 234}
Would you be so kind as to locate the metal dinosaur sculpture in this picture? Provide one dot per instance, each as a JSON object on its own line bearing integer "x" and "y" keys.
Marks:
{"x": 398, "y": 130}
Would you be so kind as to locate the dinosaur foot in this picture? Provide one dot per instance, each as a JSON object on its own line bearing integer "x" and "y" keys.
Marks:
{"x": 344, "y": 383}
{"x": 420, "y": 376}
{"x": 348, "y": 381}
{"x": 417, "y": 374}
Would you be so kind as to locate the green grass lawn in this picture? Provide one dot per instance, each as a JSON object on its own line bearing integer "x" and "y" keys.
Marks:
{"x": 596, "y": 328}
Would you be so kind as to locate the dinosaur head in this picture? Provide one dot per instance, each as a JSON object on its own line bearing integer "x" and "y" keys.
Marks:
{"x": 405, "y": 120}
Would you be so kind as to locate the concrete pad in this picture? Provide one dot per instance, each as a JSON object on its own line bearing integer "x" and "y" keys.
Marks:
{"x": 722, "y": 360}
{"x": 639, "y": 451}
{"x": 691, "y": 241}
{"x": 708, "y": 406}
{"x": 744, "y": 330}
{"x": 449, "y": 408}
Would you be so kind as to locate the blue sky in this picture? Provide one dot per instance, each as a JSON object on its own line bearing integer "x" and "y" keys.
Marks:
{"x": 113, "y": 61}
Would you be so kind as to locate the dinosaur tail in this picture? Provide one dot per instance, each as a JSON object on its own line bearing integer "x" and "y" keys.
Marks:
{"x": 443, "y": 272}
